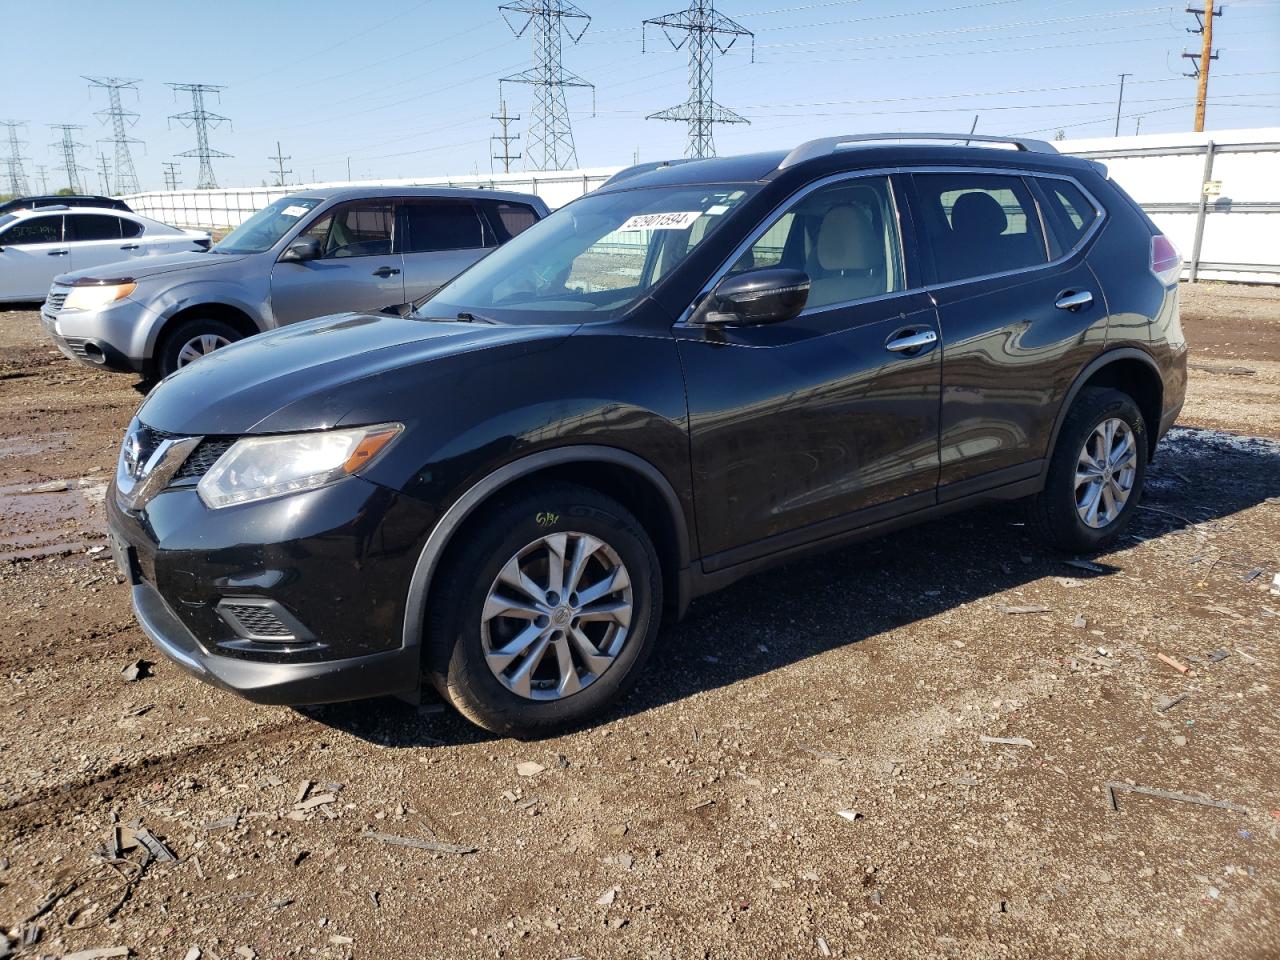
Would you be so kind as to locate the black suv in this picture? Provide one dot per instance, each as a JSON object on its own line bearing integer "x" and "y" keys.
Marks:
{"x": 697, "y": 371}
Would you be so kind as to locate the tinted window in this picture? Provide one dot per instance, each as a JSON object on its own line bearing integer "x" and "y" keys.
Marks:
{"x": 979, "y": 224}
{"x": 510, "y": 219}
{"x": 35, "y": 230}
{"x": 443, "y": 225}
{"x": 92, "y": 226}
{"x": 844, "y": 236}
{"x": 130, "y": 228}
{"x": 360, "y": 230}
{"x": 1069, "y": 212}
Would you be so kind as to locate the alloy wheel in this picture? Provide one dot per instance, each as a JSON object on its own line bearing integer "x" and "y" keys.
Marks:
{"x": 557, "y": 616}
{"x": 1105, "y": 472}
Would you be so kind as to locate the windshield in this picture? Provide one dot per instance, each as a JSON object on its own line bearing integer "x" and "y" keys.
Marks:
{"x": 264, "y": 229}
{"x": 591, "y": 259}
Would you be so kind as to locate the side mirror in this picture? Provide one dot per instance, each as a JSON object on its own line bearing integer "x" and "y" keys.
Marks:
{"x": 301, "y": 250}
{"x": 768, "y": 295}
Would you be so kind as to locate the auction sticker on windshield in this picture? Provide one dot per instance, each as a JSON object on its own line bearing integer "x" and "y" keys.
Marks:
{"x": 293, "y": 211}
{"x": 662, "y": 221}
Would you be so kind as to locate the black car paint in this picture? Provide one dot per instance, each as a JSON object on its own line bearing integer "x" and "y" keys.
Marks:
{"x": 769, "y": 440}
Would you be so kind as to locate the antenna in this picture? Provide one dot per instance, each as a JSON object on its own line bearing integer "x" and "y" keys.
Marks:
{"x": 17, "y": 177}
{"x": 707, "y": 33}
{"x": 120, "y": 119}
{"x": 68, "y": 145}
{"x": 550, "y": 133}
{"x": 202, "y": 120}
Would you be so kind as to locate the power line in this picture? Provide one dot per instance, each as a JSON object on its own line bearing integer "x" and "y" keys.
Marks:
{"x": 550, "y": 132}
{"x": 202, "y": 120}
{"x": 279, "y": 158}
{"x": 120, "y": 119}
{"x": 17, "y": 176}
{"x": 170, "y": 175}
{"x": 506, "y": 138}
{"x": 1204, "y": 20}
{"x": 68, "y": 145}
{"x": 706, "y": 33}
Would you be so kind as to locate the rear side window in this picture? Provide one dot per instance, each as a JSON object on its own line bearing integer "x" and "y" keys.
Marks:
{"x": 92, "y": 226}
{"x": 446, "y": 224}
{"x": 509, "y": 219}
{"x": 1068, "y": 210}
{"x": 979, "y": 224}
{"x": 35, "y": 230}
{"x": 130, "y": 228}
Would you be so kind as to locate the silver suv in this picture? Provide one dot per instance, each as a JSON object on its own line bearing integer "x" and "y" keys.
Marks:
{"x": 304, "y": 256}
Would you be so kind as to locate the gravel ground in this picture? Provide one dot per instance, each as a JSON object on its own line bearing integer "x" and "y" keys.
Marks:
{"x": 703, "y": 816}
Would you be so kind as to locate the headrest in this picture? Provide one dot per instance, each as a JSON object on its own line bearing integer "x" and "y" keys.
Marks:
{"x": 978, "y": 215}
{"x": 846, "y": 240}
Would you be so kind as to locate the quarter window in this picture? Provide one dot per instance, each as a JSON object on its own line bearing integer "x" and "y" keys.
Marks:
{"x": 843, "y": 235}
{"x": 436, "y": 225}
{"x": 130, "y": 228}
{"x": 35, "y": 230}
{"x": 511, "y": 219}
{"x": 979, "y": 224}
{"x": 1069, "y": 212}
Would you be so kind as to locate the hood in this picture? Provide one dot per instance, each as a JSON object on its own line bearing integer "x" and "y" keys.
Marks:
{"x": 140, "y": 268}
{"x": 361, "y": 368}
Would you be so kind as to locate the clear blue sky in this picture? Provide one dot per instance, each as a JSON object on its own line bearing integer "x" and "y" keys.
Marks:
{"x": 406, "y": 87}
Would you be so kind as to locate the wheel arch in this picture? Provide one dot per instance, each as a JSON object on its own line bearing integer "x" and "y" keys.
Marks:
{"x": 628, "y": 478}
{"x": 239, "y": 318}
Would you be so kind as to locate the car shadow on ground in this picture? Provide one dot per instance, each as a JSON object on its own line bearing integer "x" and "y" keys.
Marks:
{"x": 805, "y": 608}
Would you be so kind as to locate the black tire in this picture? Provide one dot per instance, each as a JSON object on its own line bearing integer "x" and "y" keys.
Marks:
{"x": 454, "y": 655}
{"x": 166, "y": 359}
{"x": 1052, "y": 513}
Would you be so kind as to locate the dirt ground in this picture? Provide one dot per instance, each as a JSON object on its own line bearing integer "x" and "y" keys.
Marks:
{"x": 801, "y": 773}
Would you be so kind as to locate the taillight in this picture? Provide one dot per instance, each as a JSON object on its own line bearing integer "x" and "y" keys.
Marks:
{"x": 1166, "y": 261}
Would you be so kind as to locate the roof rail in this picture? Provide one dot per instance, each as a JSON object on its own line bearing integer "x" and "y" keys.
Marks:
{"x": 828, "y": 145}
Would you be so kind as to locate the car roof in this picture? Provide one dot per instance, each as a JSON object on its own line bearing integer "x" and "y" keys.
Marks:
{"x": 366, "y": 193}
{"x": 27, "y": 212}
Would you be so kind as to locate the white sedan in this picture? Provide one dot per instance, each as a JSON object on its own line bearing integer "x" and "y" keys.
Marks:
{"x": 37, "y": 245}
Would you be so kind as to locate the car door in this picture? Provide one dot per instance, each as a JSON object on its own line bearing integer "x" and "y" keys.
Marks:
{"x": 803, "y": 429}
{"x": 31, "y": 255}
{"x": 356, "y": 270}
{"x": 1018, "y": 322}
{"x": 442, "y": 237}
{"x": 94, "y": 240}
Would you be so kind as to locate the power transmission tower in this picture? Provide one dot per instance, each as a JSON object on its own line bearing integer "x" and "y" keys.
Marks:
{"x": 120, "y": 119}
{"x": 68, "y": 146}
{"x": 17, "y": 177}
{"x": 104, "y": 174}
{"x": 1120, "y": 101}
{"x": 170, "y": 175}
{"x": 279, "y": 158}
{"x": 707, "y": 33}
{"x": 202, "y": 120}
{"x": 44, "y": 180}
{"x": 1204, "y": 20}
{"x": 506, "y": 138}
{"x": 550, "y": 133}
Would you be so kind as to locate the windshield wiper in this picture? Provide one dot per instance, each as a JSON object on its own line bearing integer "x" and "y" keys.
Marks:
{"x": 476, "y": 318}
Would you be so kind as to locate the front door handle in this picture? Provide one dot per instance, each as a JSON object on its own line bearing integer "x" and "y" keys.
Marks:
{"x": 1073, "y": 300}
{"x": 58, "y": 253}
{"x": 909, "y": 342}
{"x": 130, "y": 246}
{"x": 385, "y": 272}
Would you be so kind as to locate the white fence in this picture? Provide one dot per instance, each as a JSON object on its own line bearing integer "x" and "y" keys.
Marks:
{"x": 1216, "y": 195}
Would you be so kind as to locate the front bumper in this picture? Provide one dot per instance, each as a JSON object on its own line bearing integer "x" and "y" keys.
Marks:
{"x": 103, "y": 338}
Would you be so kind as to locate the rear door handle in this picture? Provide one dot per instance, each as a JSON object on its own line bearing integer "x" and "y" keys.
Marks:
{"x": 130, "y": 246}
{"x": 906, "y": 343}
{"x": 1073, "y": 300}
{"x": 385, "y": 272}
{"x": 58, "y": 253}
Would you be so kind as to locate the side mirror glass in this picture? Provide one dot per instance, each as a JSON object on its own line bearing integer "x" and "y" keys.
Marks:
{"x": 306, "y": 249}
{"x": 768, "y": 295}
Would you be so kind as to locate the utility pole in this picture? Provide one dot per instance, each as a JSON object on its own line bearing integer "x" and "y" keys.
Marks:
{"x": 1204, "y": 20}
{"x": 202, "y": 120}
{"x": 17, "y": 177}
{"x": 1120, "y": 101}
{"x": 506, "y": 138}
{"x": 44, "y": 179}
{"x": 104, "y": 174}
{"x": 706, "y": 33}
{"x": 279, "y": 158}
{"x": 549, "y": 22}
{"x": 120, "y": 119}
{"x": 170, "y": 175}
{"x": 68, "y": 146}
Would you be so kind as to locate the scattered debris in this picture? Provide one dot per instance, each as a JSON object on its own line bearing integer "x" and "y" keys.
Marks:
{"x": 192, "y": 954}
{"x": 529, "y": 768}
{"x": 1085, "y": 565}
{"x": 1252, "y": 575}
{"x": 319, "y": 800}
{"x": 1028, "y": 608}
{"x": 1112, "y": 786}
{"x": 823, "y": 948}
{"x": 247, "y": 952}
{"x": 701, "y": 804}
{"x": 226, "y": 823}
{"x": 1009, "y": 741}
{"x": 850, "y": 815}
{"x": 340, "y": 941}
{"x": 97, "y": 953}
{"x": 136, "y": 670}
{"x": 968, "y": 780}
{"x": 606, "y": 899}
{"x": 1180, "y": 667}
{"x": 1275, "y": 584}
{"x": 418, "y": 844}
{"x": 1218, "y": 655}
{"x": 1080, "y": 623}
{"x": 1168, "y": 703}
{"x": 304, "y": 788}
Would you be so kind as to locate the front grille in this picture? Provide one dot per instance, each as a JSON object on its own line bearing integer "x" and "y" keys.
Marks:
{"x": 203, "y": 457}
{"x": 57, "y": 297}
{"x": 255, "y": 621}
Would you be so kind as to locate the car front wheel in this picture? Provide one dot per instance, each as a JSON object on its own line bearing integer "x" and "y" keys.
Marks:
{"x": 546, "y": 612}
{"x": 191, "y": 340}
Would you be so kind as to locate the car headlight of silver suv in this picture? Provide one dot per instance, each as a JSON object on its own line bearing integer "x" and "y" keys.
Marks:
{"x": 258, "y": 468}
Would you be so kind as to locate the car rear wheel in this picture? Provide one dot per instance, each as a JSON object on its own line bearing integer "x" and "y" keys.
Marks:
{"x": 1095, "y": 475}
{"x": 546, "y": 611}
{"x": 191, "y": 340}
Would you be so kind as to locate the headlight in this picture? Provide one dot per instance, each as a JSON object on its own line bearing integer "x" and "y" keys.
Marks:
{"x": 92, "y": 296}
{"x": 257, "y": 468}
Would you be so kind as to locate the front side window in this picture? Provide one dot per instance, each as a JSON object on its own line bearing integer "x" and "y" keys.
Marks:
{"x": 360, "y": 230}
{"x": 264, "y": 229}
{"x": 592, "y": 258}
{"x": 843, "y": 235}
{"x": 444, "y": 224}
{"x": 35, "y": 230}
{"x": 92, "y": 226}
{"x": 979, "y": 224}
